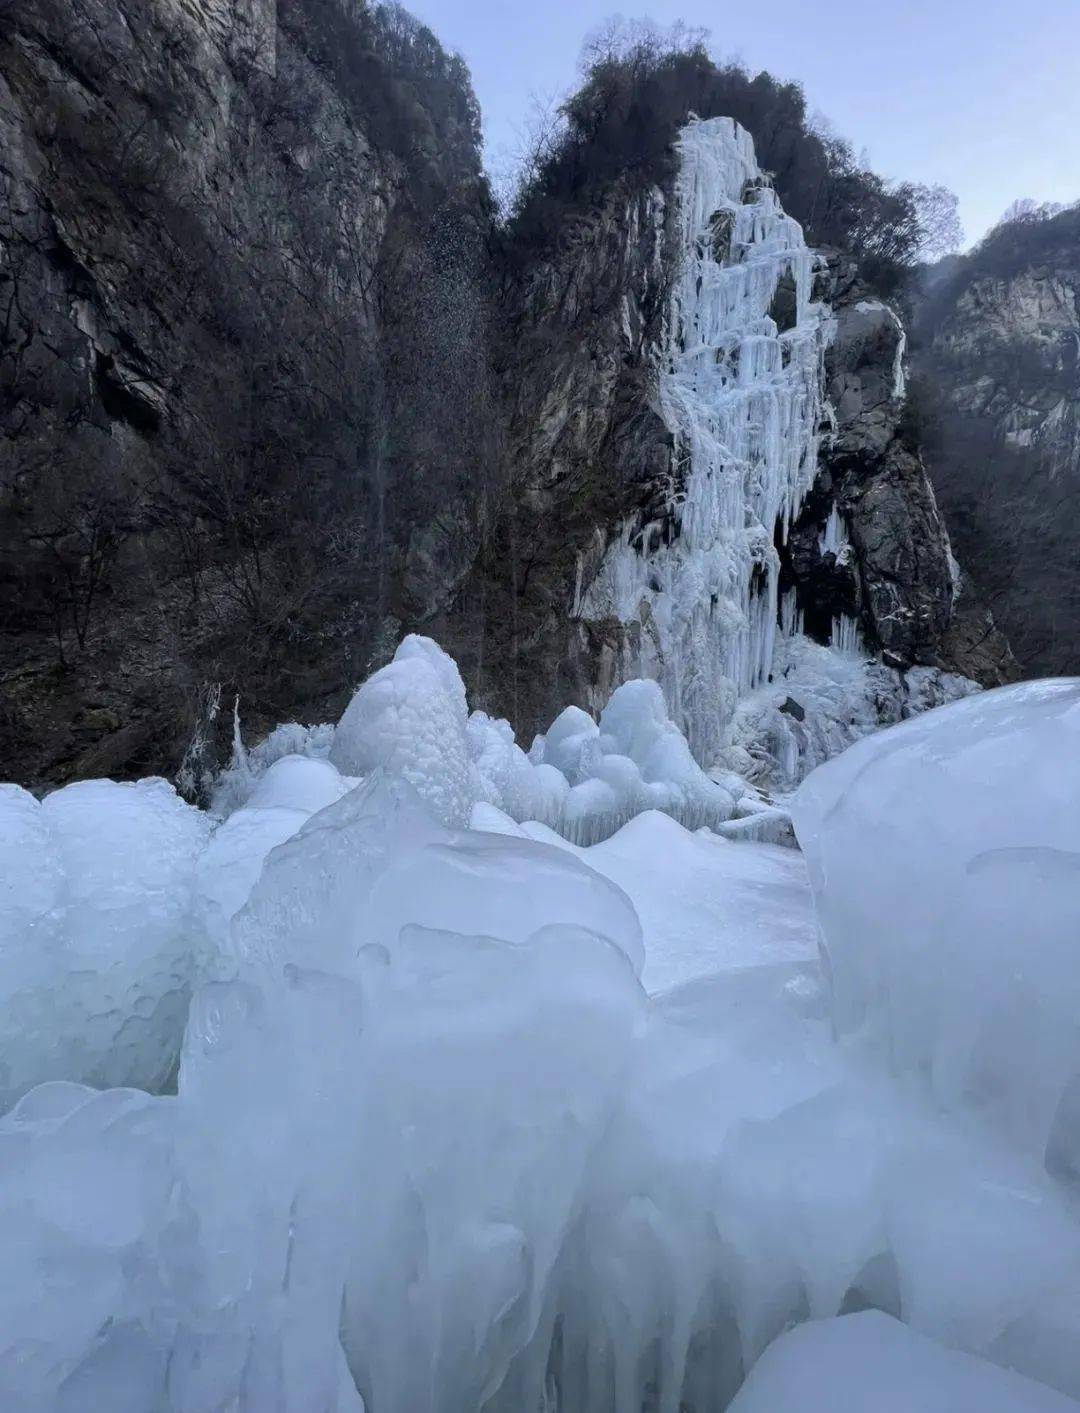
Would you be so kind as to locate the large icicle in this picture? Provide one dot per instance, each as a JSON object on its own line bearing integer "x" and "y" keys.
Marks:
{"x": 743, "y": 399}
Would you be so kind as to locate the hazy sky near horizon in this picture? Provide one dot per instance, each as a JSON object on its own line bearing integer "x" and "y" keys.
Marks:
{"x": 983, "y": 95}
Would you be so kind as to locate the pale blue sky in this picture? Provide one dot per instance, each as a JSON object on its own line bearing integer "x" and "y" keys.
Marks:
{"x": 983, "y": 95}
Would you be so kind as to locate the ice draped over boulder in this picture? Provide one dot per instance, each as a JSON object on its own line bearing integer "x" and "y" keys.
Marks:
{"x": 740, "y": 387}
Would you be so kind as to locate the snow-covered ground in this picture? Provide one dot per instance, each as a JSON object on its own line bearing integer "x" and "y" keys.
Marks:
{"x": 418, "y": 1104}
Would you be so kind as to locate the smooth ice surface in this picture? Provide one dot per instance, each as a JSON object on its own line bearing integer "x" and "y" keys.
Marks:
{"x": 870, "y": 1361}
{"x": 706, "y": 904}
{"x": 945, "y": 857}
{"x": 282, "y": 797}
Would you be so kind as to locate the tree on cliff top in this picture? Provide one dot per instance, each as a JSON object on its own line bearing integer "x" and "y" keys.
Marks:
{"x": 640, "y": 83}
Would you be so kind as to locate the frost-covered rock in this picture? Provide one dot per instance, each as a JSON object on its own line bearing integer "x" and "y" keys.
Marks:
{"x": 945, "y": 859}
{"x": 870, "y": 1361}
{"x": 818, "y": 703}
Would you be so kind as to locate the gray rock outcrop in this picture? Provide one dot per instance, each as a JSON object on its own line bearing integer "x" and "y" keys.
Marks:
{"x": 996, "y": 357}
{"x": 898, "y": 577}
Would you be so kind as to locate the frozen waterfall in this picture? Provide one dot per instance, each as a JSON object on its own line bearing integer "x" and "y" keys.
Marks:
{"x": 740, "y": 387}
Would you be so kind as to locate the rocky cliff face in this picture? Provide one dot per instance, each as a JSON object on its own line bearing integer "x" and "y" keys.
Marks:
{"x": 274, "y": 391}
{"x": 893, "y": 570}
{"x": 239, "y": 247}
{"x": 997, "y": 359}
{"x": 586, "y": 446}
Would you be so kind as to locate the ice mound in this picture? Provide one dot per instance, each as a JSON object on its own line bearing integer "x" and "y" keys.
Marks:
{"x": 409, "y": 718}
{"x": 495, "y": 886}
{"x": 871, "y": 1361}
{"x": 395, "y": 1145}
{"x": 236, "y": 782}
{"x": 100, "y": 946}
{"x": 945, "y": 860}
{"x": 362, "y": 872}
{"x": 581, "y": 778}
{"x": 586, "y": 779}
{"x": 281, "y": 801}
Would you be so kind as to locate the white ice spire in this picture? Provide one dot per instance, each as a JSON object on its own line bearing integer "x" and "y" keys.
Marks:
{"x": 743, "y": 400}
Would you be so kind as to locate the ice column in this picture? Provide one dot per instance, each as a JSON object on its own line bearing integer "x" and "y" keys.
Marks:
{"x": 740, "y": 387}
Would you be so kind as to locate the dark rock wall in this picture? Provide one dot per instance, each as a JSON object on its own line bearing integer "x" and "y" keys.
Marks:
{"x": 898, "y": 576}
{"x": 996, "y": 355}
{"x": 585, "y": 447}
{"x": 242, "y": 362}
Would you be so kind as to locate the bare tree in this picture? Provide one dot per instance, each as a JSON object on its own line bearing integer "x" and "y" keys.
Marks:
{"x": 941, "y": 230}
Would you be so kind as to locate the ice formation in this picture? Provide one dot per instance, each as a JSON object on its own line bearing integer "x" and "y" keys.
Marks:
{"x": 871, "y": 1361}
{"x": 434, "y": 1145}
{"x": 410, "y": 718}
{"x": 235, "y": 784}
{"x": 581, "y": 778}
{"x": 743, "y": 399}
{"x": 952, "y": 979}
{"x": 97, "y": 937}
{"x": 741, "y": 388}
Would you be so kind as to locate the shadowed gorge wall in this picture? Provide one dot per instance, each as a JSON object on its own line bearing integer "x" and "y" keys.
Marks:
{"x": 276, "y": 386}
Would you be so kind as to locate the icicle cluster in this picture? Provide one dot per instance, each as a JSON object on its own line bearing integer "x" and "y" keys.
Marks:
{"x": 743, "y": 399}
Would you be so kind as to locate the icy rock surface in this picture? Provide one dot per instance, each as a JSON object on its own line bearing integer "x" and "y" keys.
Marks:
{"x": 99, "y": 945}
{"x": 945, "y": 859}
{"x": 742, "y": 389}
{"x": 743, "y": 400}
{"x": 870, "y": 1361}
{"x": 821, "y": 701}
